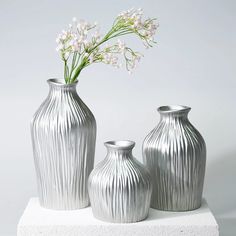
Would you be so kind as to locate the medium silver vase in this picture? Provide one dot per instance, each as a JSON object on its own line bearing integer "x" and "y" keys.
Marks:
{"x": 63, "y": 136}
{"x": 119, "y": 186}
{"x": 175, "y": 154}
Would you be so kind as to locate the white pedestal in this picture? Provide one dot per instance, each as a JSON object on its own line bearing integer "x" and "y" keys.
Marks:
{"x": 37, "y": 221}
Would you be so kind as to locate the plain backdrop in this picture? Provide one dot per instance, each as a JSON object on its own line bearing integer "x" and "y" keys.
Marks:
{"x": 193, "y": 63}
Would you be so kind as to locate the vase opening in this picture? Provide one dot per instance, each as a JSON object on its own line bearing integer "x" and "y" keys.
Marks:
{"x": 60, "y": 83}
{"x": 121, "y": 144}
{"x": 173, "y": 109}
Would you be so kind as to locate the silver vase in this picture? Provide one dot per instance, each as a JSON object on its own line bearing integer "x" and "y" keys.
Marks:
{"x": 175, "y": 154}
{"x": 119, "y": 186}
{"x": 63, "y": 136}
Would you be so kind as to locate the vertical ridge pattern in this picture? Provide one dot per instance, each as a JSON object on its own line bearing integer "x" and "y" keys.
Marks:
{"x": 63, "y": 134}
{"x": 120, "y": 188}
{"x": 175, "y": 154}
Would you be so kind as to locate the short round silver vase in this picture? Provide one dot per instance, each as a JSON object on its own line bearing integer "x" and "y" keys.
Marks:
{"x": 120, "y": 187}
{"x": 175, "y": 154}
{"x": 63, "y": 136}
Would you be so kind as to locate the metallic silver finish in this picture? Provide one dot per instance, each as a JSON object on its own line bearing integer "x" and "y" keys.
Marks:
{"x": 63, "y": 136}
{"x": 175, "y": 154}
{"x": 120, "y": 187}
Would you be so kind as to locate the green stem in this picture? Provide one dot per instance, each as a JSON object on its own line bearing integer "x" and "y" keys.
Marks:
{"x": 73, "y": 64}
{"x": 65, "y": 71}
{"x": 79, "y": 69}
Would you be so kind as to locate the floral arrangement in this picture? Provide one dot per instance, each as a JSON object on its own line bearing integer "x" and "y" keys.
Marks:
{"x": 82, "y": 44}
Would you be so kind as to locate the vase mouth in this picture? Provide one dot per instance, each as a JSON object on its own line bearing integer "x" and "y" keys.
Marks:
{"x": 120, "y": 144}
{"x": 60, "y": 82}
{"x": 173, "y": 109}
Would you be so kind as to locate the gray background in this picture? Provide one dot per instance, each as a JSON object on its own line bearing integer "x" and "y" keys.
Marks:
{"x": 193, "y": 64}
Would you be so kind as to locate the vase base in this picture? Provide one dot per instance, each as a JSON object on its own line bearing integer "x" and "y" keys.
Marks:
{"x": 64, "y": 207}
{"x": 38, "y": 221}
{"x": 123, "y": 221}
{"x": 176, "y": 209}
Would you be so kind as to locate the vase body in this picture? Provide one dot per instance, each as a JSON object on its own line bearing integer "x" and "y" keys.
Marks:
{"x": 175, "y": 155}
{"x": 119, "y": 186}
{"x": 63, "y": 134}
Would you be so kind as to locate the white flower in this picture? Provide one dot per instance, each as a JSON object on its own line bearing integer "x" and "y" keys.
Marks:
{"x": 67, "y": 54}
{"x": 132, "y": 14}
{"x": 59, "y": 47}
{"x": 121, "y": 46}
{"x": 75, "y": 39}
{"x": 96, "y": 36}
{"x": 110, "y": 58}
{"x": 133, "y": 18}
{"x": 137, "y": 23}
{"x": 91, "y": 58}
{"x": 58, "y": 40}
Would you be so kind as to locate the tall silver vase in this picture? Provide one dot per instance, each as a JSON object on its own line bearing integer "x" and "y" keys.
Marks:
{"x": 119, "y": 186}
{"x": 63, "y": 136}
{"x": 175, "y": 154}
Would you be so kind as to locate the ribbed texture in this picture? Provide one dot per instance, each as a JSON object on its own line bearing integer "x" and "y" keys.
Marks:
{"x": 175, "y": 154}
{"x": 120, "y": 188}
{"x": 63, "y": 135}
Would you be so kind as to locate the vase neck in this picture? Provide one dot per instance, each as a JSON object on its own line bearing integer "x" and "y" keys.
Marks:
{"x": 120, "y": 149}
{"x": 58, "y": 87}
{"x": 173, "y": 113}
{"x": 119, "y": 154}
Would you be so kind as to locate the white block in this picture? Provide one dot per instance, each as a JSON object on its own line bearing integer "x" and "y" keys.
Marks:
{"x": 37, "y": 221}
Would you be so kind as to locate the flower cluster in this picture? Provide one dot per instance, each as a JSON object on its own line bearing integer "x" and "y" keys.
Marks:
{"x": 75, "y": 39}
{"x": 144, "y": 28}
{"x": 82, "y": 44}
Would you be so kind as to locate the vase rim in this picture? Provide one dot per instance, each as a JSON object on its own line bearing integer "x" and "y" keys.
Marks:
{"x": 120, "y": 144}
{"x": 61, "y": 82}
{"x": 173, "y": 109}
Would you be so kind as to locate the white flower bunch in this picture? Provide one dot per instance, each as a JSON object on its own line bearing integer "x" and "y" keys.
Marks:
{"x": 82, "y": 44}
{"x": 75, "y": 39}
{"x": 145, "y": 29}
